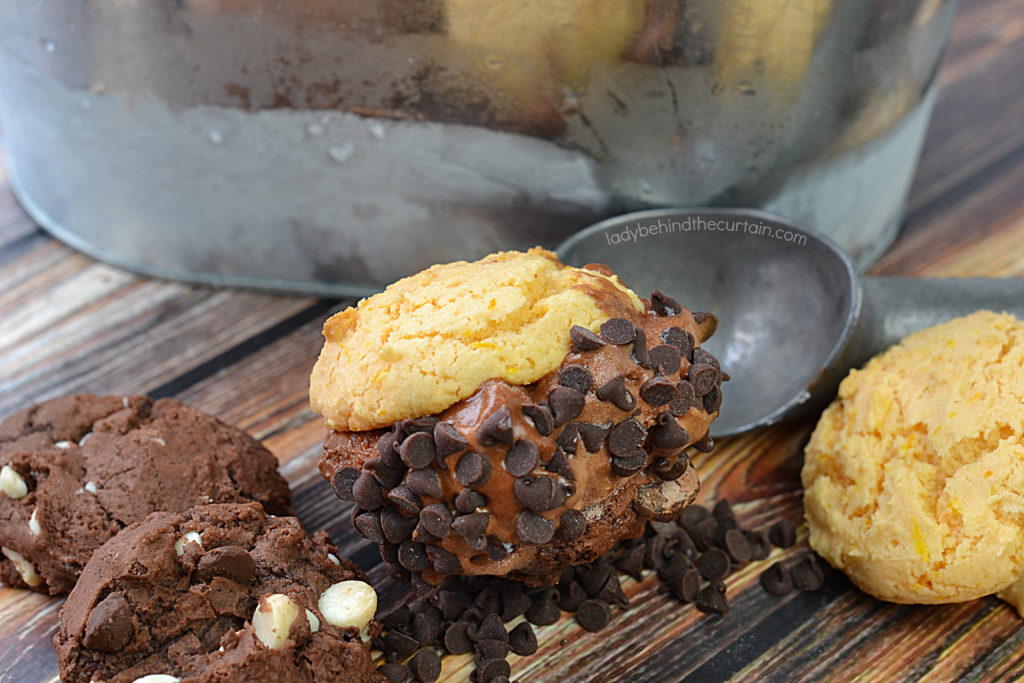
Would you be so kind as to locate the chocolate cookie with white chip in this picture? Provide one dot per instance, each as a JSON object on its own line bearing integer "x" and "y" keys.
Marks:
{"x": 75, "y": 470}
{"x": 220, "y": 593}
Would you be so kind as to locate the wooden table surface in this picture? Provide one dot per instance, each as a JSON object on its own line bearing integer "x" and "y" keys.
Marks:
{"x": 71, "y": 324}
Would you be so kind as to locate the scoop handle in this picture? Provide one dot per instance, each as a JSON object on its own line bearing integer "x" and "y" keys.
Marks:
{"x": 893, "y": 307}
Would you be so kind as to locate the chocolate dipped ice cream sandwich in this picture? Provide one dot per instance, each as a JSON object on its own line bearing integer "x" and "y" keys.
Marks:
{"x": 512, "y": 416}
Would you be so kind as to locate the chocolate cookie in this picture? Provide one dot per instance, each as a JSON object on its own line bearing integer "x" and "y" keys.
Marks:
{"x": 77, "y": 469}
{"x": 218, "y": 593}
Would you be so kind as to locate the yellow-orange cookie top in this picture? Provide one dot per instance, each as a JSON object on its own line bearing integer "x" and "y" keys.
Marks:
{"x": 914, "y": 476}
{"x": 431, "y": 339}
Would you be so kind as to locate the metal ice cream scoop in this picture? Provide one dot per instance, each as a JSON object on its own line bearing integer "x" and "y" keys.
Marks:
{"x": 794, "y": 315}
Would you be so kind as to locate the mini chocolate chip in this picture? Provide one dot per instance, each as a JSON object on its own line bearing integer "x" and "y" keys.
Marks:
{"x": 710, "y": 601}
{"x": 426, "y": 627}
{"x": 615, "y": 391}
{"x": 594, "y": 576}
{"x": 559, "y": 464}
{"x": 776, "y": 579}
{"x": 398, "y": 646}
{"x": 703, "y": 533}
{"x": 782, "y": 534}
{"x": 386, "y": 448}
{"x": 488, "y": 601}
{"x": 396, "y": 526}
{"x": 418, "y": 450}
{"x": 541, "y": 418}
{"x": 626, "y": 438}
{"x": 703, "y": 356}
{"x": 703, "y": 377}
{"x": 403, "y": 497}
{"x": 705, "y": 445}
{"x": 737, "y": 546}
{"x": 571, "y": 525}
{"x": 532, "y": 528}
{"x": 568, "y": 438}
{"x": 492, "y": 670}
{"x": 523, "y": 640}
{"x": 496, "y": 551}
{"x": 664, "y": 305}
{"x": 627, "y": 467}
{"x": 571, "y": 596}
{"x": 489, "y": 648}
{"x": 229, "y": 561}
{"x": 667, "y": 433}
{"x": 617, "y": 331}
{"x": 807, "y": 575}
{"x": 366, "y": 491}
{"x": 424, "y": 482}
{"x": 594, "y": 615}
{"x": 658, "y": 391}
{"x": 413, "y": 556}
{"x": 109, "y": 626}
{"x": 448, "y": 441}
{"x": 368, "y": 524}
{"x": 584, "y": 340}
{"x": 496, "y": 428}
{"x": 444, "y": 562}
{"x": 543, "y": 612}
{"x": 631, "y": 562}
{"x": 342, "y": 482}
{"x": 693, "y": 515}
{"x": 473, "y": 615}
{"x": 459, "y": 637}
{"x": 670, "y": 470}
{"x": 612, "y": 592}
{"x": 451, "y": 603}
{"x": 437, "y": 519}
{"x": 387, "y": 477}
{"x": 472, "y": 528}
{"x": 473, "y": 469}
{"x": 593, "y": 435}
{"x": 425, "y": 665}
{"x": 537, "y": 493}
{"x": 469, "y": 500}
{"x": 687, "y": 399}
{"x": 641, "y": 356}
{"x": 394, "y": 672}
{"x": 713, "y": 564}
{"x": 679, "y": 338}
{"x": 723, "y": 509}
{"x": 760, "y": 547}
{"x": 712, "y": 400}
{"x": 565, "y": 404}
{"x": 521, "y": 457}
{"x": 676, "y": 564}
{"x": 576, "y": 377}
{"x": 685, "y": 586}
{"x": 492, "y": 628}
{"x": 514, "y": 602}
{"x": 665, "y": 359}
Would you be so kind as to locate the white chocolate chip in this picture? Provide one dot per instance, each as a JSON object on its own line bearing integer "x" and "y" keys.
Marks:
{"x": 12, "y": 484}
{"x": 24, "y": 567}
{"x": 63, "y": 445}
{"x": 90, "y": 486}
{"x": 314, "y": 623}
{"x": 157, "y": 439}
{"x": 33, "y": 523}
{"x": 157, "y": 678}
{"x": 333, "y": 558}
{"x": 349, "y": 603}
{"x": 186, "y": 538}
{"x": 273, "y": 619}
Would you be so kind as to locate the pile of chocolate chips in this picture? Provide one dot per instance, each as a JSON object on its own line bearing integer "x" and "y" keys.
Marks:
{"x": 691, "y": 557}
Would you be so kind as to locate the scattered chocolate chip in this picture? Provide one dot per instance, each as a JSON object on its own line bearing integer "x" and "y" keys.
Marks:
{"x": 626, "y": 438}
{"x": 521, "y": 458}
{"x": 679, "y": 338}
{"x": 514, "y": 603}
{"x": 488, "y": 648}
{"x": 532, "y": 528}
{"x": 782, "y": 534}
{"x": 543, "y": 612}
{"x": 469, "y": 500}
{"x": 459, "y": 637}
{"x": 737, "y": 546}
{"x": 403, "y": 497}
{"x": 593, "y": 435}
{"x": 776, "y": 579}
{"x": 705, "y": 445}
{"x": 617, "y": 331}
{"x": 492, "y": 670}
{"x": 665, "y": 358}
{"x": 342, "y": 482}
{"x": 713, "y": 564}
{"x": 417, "y": 450}
{"x": 676, "y": 564}
{"x": 693, "y": 515}
{"x": 571, "y": 525}
{"x": 448, "y": 441}
{"x": 627, "y": 467}
{"x": 538, "y": 493}
{"x": 654, "y": 552}
{"x": 612, "y": 592}
{"x": 703, "y": 377}
{"x": 366, "y": 492}
{"x": 807, "y": 574}
{"x": 443, "y": 561}
{"x": 723, "y": 509}
{"x": 109, "y": 626}
{"x": 658, "y": 391}
{"x": 667, "y": 433}
{"x": 368, "y": 524}
{"x": 670, "y": 470}
{"x": 424, "y": 482}
{"x": 594, "y": 615}
{"x": 565, "y": 404}
{"x": 664, "y": 305}
{"x": 395, "y": 526}
{"x": 488, "y": 601}
{"x": 631, "y": 562}
{"x": 425, "y": 665}
{"x": 712, "y": 400}
{"x": 760, "y": 547}
{"x": 685, "y": 586}
{"x": 571, "y": 596}
{"x": 594, "y": 576}
{"x": 398, "y": 645}
{"x": 396, "y": 618}
{"x": 703, "y": 533}
{"x": 584, "y": 340}
{"x": 496, "y": 551}
{"x": 437, "y": 519}
{"x": 576, "y": 377}
{"x": 523, "y": 640}
{"x": 496, "y": 428}
{"x": 710, "y": 601}
{"x": 541, "y": 418}
{"x": 640, "y": 353}
{"x": 684, "y": 544}
{"x": 426, "y": 628}
{"x": 615, "y": 391}
{"x": 451, "y": 603}
{"x": 229, "y": 561}
{"x": 413, "y": 556}
{"x": 492, "y": 628}
{"x": 387, "y": 477}
{"x": 687, "y": 399}
{"x": 472, "y": 528}
{"x": 394, "y": 672}
{"x": 559, "y": 464}
{"x": 473, "y": 469}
